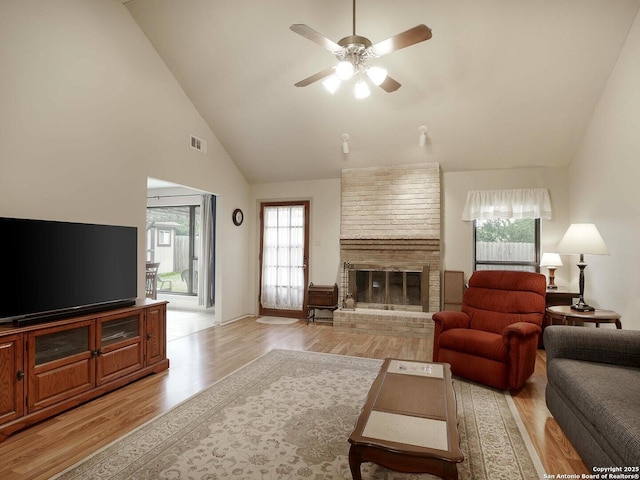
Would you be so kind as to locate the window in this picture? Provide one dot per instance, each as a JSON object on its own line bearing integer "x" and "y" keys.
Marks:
{"x": 507, "y": 244}
{"x": 164, "y": 238}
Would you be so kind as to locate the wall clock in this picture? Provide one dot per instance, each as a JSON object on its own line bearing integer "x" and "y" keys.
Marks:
{"x": 238, "y": 217}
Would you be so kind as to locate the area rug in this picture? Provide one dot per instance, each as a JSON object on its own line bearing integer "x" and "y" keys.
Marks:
{"x": 277, "y": 320}
{"x": 288, "y": 415}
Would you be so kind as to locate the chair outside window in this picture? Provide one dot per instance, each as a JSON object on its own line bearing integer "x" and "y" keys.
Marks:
{"x": 151, "y": 280}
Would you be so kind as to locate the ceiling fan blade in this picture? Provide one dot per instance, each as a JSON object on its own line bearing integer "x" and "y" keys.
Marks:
{"x": 311, "y": 34}
{"x": 414, "y": 35}
{"x": 390, "y": 85}
{"x": 314, "y": 78}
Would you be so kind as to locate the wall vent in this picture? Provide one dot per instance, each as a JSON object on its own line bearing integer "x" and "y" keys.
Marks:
{"x": 198, "y": 144}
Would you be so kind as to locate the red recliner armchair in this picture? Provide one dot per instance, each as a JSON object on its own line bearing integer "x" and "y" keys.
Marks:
{"x": 494, "y": 339}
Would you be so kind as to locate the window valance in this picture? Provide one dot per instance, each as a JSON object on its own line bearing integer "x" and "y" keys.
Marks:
{"x": 514, "y": 203}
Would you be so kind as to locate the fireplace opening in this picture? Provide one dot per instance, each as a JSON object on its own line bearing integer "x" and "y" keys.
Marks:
{"x": 390, "y": 287}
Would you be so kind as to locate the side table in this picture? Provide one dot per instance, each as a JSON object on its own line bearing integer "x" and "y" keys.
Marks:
{"x": 567, "y": 316}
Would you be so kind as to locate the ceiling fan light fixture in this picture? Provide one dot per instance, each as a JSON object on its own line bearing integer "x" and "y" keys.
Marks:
{"x": 344, "y": 70}
{"x": 331, "y": 84}
{"x": 362, "y": 89}
{"x": 377, "y": 75}
{"x": 353, "y": 52}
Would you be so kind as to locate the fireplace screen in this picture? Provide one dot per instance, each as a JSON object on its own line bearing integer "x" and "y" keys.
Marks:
{"x": 389, "y": 288}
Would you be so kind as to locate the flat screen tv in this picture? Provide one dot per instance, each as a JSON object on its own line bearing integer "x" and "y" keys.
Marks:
{"x": 51, "y": 270}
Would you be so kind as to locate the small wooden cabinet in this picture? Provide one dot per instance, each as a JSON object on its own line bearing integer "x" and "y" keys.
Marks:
{"x": 560, "y": 296}
{"x": 323, "y": 297}
{"x": 51, "y": 367}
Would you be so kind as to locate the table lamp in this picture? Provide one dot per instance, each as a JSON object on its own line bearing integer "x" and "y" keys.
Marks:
{"x": 581, "y": 239}
{"x": 551, "y": 261}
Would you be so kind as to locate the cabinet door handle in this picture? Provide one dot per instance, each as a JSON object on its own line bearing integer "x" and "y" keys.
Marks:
{"x": 95, "y": 353}
{"x": 20, "y": 374}
{"x": 149, "y": 336}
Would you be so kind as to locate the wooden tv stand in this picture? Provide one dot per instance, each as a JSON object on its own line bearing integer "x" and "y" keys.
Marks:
{"x": 51, "y": 367}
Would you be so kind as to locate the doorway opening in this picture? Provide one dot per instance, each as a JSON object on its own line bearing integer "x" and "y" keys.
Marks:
{"x": 180, "y": 243}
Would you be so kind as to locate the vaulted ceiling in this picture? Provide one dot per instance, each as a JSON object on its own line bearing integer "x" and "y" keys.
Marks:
{"x": 502, "y": 83}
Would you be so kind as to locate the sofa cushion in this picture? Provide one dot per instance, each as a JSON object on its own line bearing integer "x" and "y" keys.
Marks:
{"x": 609, "y": 397}
{"x": 474, "y": 342}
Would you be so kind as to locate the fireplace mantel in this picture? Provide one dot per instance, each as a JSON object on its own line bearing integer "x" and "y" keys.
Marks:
{"x": 411, "y": 243}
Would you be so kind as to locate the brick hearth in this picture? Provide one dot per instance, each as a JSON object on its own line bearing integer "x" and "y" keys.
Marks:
{"x": 384, "y": 322}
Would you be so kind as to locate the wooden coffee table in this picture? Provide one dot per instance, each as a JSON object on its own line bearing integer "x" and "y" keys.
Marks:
{"x": 409, "y": 422}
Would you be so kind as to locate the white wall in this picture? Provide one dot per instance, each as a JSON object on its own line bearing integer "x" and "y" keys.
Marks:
{"x": 324, "y": 228}
{"x": 457, "y": 236}
{"x": 88, "y": 112}
{"x": 604, "y": 188}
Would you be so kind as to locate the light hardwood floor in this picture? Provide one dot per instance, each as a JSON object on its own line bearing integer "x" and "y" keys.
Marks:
{"x": 199, "y": 359}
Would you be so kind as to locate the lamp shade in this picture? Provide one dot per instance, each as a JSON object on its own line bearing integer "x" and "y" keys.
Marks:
{"x": 550, "y": 260}
{"x": 331, "y": 83}
{"x": 361, "y": 89}
{"x": 377, "y": 75}
{"x": 582, "y": 238}
{"x": 344, "y": 70}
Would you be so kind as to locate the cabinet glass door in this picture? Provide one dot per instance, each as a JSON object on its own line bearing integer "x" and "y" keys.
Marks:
{"x": 61, "y": 344}
{"x": 120, "y": 329}
{"x": 120, "y": 350}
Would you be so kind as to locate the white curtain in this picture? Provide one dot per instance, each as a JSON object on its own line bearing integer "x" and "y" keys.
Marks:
{"x": 206, "y": 276}
{"x": 507, "y": 204}
{"x": 283, "y": 257}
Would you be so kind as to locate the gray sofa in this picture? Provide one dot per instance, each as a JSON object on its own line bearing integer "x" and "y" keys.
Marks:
{"x": 593, "y": 392}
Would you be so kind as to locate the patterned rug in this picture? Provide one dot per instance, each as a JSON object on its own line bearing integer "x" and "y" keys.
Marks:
{"x": 288, "y": 415}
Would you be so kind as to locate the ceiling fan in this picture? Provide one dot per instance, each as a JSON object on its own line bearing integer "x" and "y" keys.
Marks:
{"x": 353, "y": 52}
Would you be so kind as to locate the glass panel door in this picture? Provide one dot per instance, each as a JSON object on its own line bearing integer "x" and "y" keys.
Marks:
{"x": 284, "y": 258}
{"x": 173, "y": 241}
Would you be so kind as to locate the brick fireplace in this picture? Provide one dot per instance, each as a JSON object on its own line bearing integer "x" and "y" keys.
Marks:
{"x": 388, "y": 287}
{"x": 390, "y": 249}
